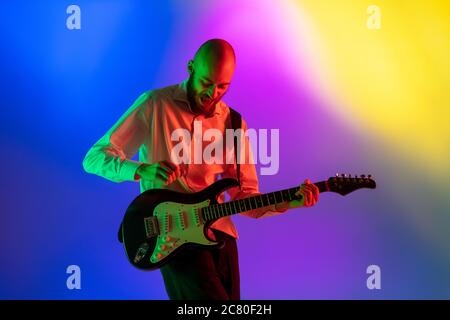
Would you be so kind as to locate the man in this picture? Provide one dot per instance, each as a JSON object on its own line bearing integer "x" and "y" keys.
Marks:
{"x": 147, "y": 127}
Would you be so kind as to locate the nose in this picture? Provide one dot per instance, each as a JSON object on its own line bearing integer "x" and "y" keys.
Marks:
{"x": 213, "y": 92}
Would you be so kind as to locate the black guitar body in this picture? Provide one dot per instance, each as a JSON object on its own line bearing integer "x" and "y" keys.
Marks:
{"x": 156, "y": 224}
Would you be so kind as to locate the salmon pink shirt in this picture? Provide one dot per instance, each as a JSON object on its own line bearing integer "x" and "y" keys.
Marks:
{"x": 147, "y": 127}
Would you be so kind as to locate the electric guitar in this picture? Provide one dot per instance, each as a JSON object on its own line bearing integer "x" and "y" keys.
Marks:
{"x": 159, "y": 223}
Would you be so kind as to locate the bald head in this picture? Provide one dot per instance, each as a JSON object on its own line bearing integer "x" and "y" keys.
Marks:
{"x": 210, "y": 73}
{"x": 215, "y": 51}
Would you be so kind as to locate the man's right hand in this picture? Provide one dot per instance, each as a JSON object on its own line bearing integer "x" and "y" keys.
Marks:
{"x": 164, "y": 171}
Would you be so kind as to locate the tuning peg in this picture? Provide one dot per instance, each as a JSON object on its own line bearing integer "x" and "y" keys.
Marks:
{"x": 349, "y": 175}
{"x": 363, "y": 176}
{"x": 369, "y": 176}
{"x": 337, "y": 174}
{"x": 343, "y": 175}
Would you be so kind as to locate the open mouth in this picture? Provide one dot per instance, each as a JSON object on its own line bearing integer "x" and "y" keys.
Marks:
{"x": 206, "y": 100}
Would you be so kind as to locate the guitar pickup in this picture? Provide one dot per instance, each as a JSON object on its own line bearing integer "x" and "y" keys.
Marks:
{"x": 198, "y": 217}
{"x": 182, "y": 216}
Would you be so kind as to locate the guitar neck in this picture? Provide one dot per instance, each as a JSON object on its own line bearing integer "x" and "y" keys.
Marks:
{"x": 220, "y": 210}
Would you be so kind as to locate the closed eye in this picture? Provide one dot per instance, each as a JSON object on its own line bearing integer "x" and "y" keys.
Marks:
{"x": 205, "y": 84}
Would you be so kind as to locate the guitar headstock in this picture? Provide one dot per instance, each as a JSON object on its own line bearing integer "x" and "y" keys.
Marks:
{"x": 345, "y": 183}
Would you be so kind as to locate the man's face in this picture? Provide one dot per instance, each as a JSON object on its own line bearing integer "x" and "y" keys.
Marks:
{"x": 207, "y": 84}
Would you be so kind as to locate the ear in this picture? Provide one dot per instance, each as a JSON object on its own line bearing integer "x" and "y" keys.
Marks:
{"x": 190, "y": 66}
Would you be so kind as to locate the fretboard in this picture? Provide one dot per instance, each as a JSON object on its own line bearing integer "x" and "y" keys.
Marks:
{"x": 220, "y": 210}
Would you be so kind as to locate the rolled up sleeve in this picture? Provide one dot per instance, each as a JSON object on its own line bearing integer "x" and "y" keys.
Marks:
{"x": 110, "y": 157}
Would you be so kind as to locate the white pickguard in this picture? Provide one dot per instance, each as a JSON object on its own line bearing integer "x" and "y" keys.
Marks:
{"x": 179, "y": 223}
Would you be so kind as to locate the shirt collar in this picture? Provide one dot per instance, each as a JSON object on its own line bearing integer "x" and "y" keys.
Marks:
{"x": 181, "y": 96}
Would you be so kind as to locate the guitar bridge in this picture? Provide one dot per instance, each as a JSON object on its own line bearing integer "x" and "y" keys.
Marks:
{"x": 151, "y": 227}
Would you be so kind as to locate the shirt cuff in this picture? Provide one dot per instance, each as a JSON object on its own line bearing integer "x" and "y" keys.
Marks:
{"x": 128, "y": 170}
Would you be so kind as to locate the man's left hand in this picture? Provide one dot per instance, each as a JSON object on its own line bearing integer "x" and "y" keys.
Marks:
{"x": 310, "y": 194}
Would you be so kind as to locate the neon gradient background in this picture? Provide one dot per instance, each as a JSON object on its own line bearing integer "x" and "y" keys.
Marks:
{"x": 345, "y": 98}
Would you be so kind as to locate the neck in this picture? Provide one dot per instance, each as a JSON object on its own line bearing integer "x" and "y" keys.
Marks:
{"x": 220, "y": 210}
{"x": 198, "y": 111}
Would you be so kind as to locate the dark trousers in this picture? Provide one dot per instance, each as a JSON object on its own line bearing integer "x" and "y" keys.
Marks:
{"x": 204, "y": 273}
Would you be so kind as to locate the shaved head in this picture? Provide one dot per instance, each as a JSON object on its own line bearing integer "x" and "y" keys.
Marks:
{"x": 216, "y": 52}
{"x": 210, "y": 74}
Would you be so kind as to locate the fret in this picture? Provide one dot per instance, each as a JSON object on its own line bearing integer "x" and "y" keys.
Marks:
{"x": 214, "y": 212}
{"x": 281, "y": 195}
{"x": 248, "y": 204}
{"x": 271, "y": 198}
{"x": 264, "y": 200}
{"x": 238, "y": 205}
{"x": 259, "y": 202}
{"x": 253, "y": 202}
{"x": 223, "y": 210}
{"x": 204, "y": 212}
{"x": 242, "y": 202}
{"x": 217, "y": 211}
{"x": 286, "y": 195}
{"x": 278, "y": 197}
{"x": 210, "y": 213}
{"x": 233, "y": 206}
{"x": 229, "y": 210}
{"x": 268, "y": 200}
